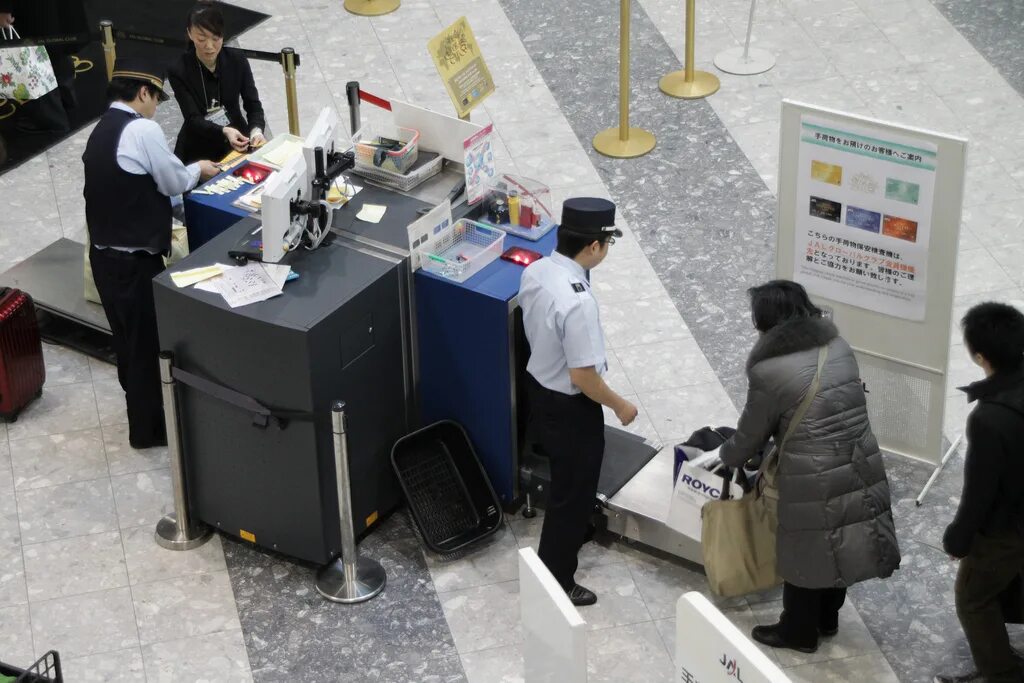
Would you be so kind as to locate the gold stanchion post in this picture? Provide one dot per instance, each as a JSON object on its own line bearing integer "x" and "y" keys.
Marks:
{"x": 624, "y": 142}
{"x": 689, "y": 84}
{"x": 290, "y": 92}
{"x": 109, "y": 47}
{"x": 371, "y": 8}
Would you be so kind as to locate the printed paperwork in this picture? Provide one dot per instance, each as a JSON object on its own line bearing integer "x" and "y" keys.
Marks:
{"x": 281, "y": 154}
{"x": 242, "y": 285}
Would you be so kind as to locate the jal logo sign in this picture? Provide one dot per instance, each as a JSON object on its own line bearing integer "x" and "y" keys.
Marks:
{"x": 732, "y": 667}
{"x": 701, "y": 487}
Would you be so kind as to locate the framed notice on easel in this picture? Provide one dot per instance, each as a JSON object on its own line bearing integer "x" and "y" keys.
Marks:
{"x": 869, "y": 223}
{"x": 457, "y": 56}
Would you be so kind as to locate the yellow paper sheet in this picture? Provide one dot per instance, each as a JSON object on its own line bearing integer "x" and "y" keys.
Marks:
{"x": 280, "y": 155}
{"x": 371, "y": 213}
{"x": 184, "y": 278}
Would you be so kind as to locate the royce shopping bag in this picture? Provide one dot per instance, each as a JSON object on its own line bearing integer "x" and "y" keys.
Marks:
{"x": 25, "y": 71}
{"x": 696, "y": 486}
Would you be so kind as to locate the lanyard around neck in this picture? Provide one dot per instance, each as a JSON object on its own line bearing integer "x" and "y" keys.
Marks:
{"x": 202, "y": 82}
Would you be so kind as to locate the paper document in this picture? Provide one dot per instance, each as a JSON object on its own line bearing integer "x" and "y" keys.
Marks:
{"x": 185, "y": 278}
{"x": 279, "y": 156}
{"x": 249, "y": 284}
{"x": 371, "y": 213}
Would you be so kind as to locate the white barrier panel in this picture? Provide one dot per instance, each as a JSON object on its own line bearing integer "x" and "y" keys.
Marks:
{"x": 554, "y": 634}
{"x": 709, "y": 649}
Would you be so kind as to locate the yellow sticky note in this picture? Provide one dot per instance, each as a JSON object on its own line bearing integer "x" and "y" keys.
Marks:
{"x": 371, "y": 213}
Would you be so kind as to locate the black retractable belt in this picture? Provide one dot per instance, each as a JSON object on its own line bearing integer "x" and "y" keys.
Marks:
{"x": 261, "y": 414}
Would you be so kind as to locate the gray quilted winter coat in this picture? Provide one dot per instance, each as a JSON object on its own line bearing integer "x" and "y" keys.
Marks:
{"x": 835, "y": 521}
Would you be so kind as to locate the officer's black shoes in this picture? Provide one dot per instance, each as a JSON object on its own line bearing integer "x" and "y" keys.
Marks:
{"x": 581, "y": 597}
{"x": 772, "y": 637}
{"x": 828, "y": 632}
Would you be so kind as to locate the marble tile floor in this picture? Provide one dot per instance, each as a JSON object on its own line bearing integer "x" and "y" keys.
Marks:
{"x": 59, "y": 455}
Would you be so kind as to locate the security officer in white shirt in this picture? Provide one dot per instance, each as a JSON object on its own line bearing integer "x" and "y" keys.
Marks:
{"x": 567, "y": 362}
{"x": 131, "y": 182}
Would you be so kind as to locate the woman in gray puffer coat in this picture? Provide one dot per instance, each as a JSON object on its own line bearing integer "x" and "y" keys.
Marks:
{"x": 835, "y": 524}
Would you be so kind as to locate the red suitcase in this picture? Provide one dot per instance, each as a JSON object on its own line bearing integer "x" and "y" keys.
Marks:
{"x": 22, "y": 371}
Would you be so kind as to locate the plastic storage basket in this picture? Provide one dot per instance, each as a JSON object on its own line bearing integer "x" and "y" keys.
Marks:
{"x": 427, "y": 166}
{"x": 463, "y": 250}
{"x": 396, "y": 161}
{"x": 451, "y": 500}
{"x": 45, "y": 670}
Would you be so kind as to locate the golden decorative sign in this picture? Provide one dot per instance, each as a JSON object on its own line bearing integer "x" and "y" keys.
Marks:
{"x": 458, "y": 60}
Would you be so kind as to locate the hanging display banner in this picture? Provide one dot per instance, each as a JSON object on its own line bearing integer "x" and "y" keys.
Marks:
{"x": 458, "y": 59}
{"x": 863, "y": 216}
{"x": 479, "y": 162}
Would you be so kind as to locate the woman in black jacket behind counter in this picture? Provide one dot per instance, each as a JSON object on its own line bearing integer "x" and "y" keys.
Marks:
{"x": 212, "y": 84}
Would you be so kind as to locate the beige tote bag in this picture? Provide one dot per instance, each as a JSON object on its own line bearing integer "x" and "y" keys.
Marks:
{"x": 738, "y": 536}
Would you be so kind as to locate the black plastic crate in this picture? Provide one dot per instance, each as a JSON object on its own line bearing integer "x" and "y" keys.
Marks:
{"x": 450, "y": 497}
{"x": 45, "y": 670}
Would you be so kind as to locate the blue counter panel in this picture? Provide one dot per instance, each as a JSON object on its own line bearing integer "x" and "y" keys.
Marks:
{"x": 465, "y": 350}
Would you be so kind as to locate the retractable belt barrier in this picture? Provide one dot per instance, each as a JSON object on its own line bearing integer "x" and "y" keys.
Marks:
{"x": 261, "y": 414}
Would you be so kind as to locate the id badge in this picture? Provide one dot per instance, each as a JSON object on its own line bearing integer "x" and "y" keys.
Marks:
{"x": 218, "y": 116}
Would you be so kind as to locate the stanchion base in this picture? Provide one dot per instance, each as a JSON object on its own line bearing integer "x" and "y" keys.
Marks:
{"x": 167, "y": 535}
{"x": 638, "y": 143}
{"x": 757, "y": 61}
{"x": 371, "y": 8}
{"x": 370, "y": 580}
{"x": 702, "y": 85}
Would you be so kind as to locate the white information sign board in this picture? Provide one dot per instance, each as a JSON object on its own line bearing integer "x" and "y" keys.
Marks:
{"x": 867, "y": 195}
{"x": 869, "y": 222}
{"x": 710, "y": 649}
{"x": 554, "y": 634}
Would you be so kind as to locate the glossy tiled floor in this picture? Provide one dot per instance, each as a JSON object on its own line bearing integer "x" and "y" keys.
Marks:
{"x": 81, "y": 573}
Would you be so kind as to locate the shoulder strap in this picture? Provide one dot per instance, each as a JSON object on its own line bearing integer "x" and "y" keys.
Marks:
{"x": 801, "y": 410}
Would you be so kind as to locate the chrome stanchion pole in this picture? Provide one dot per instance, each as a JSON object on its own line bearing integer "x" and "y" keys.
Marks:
{"x": 350, "y": 578}
{"x": 176, "y": 531}
{"x": 355, "y": 118}
{"x": 745, "y": 61}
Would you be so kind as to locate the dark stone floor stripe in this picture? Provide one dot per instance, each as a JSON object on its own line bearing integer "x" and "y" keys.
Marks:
{"x": 996, "y": 30}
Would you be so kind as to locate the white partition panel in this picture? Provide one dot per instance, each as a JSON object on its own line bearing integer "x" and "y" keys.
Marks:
{"x": 554, "y": 634}
{"x": 869, "y": 223}
{"x": 709, "y": 649}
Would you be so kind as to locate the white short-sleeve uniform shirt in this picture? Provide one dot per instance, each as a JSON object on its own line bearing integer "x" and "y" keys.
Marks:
{"x": 562, "y": 322}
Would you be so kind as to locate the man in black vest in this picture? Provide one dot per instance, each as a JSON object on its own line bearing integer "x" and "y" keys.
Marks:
{"x": 132, "y": 181}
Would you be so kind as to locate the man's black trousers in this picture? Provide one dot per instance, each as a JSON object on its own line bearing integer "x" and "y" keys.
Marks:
{"x": 570, "y": 430}
{"x": 125, "y": 285}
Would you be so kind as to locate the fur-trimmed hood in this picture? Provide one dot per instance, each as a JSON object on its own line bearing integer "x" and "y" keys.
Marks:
{"x": 792, "y": 336}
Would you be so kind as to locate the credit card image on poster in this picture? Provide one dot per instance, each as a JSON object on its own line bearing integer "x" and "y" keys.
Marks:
{"x": 863, "y": 219}
{"x": 902, "y": 191}
{"x": 900, "y": 228}
{"x": 827, "y": 173}
{"x": 826, "y": 209}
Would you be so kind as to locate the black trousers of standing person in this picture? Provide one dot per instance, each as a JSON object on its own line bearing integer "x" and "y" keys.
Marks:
{"x": 125, "y": 285}
{"x": 808, "y": 611}
{"x": 570, "y": 430}
{"x": 985, "y": 575}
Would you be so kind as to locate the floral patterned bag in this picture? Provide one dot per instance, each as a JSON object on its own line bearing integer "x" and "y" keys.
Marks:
{"x": 25, "y": 71}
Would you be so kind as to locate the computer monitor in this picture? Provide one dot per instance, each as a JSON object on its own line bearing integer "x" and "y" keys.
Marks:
{"x": 283, "y": 187}
{"x": 320, "y": 135}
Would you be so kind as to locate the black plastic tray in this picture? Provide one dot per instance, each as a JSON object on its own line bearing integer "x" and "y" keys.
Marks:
{"x": 450, "y": 497}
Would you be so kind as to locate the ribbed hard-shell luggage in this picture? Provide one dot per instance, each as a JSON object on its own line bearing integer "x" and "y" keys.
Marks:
{"x": 22, "y": 371}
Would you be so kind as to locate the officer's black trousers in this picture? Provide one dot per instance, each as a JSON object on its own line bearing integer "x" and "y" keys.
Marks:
{"x": 570, "y": 430}
{"x": 125, "y": 285}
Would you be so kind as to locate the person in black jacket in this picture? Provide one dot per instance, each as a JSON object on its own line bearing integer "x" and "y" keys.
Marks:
{"x": 212, "y": 84}
{"x": 986, "y": 533}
